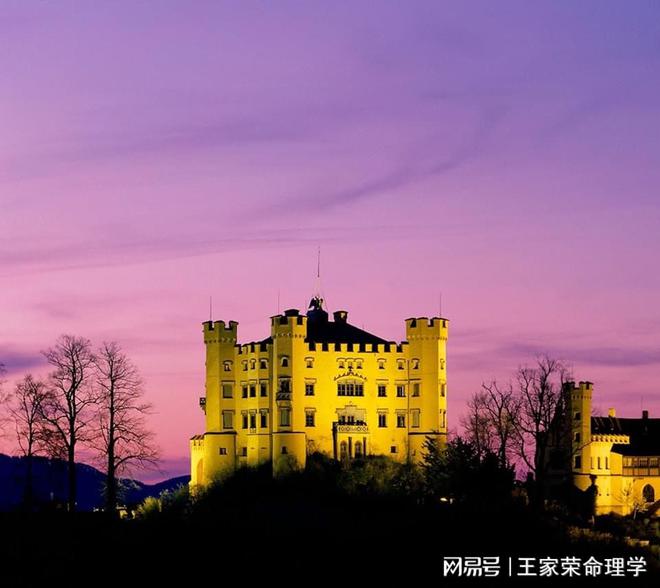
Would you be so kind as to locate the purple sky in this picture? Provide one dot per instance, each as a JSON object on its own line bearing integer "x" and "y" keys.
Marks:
{"x": 504, "y": 153}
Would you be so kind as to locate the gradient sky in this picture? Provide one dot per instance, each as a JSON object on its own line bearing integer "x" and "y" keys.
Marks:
{"x": 506, "y": 154}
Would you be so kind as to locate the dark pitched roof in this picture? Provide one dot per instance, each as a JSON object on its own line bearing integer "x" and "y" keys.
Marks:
{"x": 322, "y": 330}
{"x": 644, "y": 434}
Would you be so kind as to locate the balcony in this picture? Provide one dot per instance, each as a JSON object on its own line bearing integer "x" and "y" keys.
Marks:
{"x": 357, "y": 427}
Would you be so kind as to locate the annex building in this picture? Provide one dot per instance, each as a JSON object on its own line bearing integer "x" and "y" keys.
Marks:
{"x": 317, "y": 384}
{"x": 620, "y": 456}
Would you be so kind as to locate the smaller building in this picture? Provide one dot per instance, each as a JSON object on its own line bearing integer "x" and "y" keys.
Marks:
{"x": 621, "y": 456}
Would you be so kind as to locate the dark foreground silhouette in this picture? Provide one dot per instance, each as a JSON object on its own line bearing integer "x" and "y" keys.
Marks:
{"x": 369, "y": 523}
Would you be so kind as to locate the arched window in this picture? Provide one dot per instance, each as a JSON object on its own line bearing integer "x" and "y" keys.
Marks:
{"x": 343, "y": 450}
{"x": 358, "y": 449}
{"x": 284, "y": 362}
{"x": 648, "y": 493}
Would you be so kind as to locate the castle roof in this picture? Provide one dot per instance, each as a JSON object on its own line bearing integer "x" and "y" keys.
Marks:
{"x": 338, "y": 331}
{"x": 644, "y": 433}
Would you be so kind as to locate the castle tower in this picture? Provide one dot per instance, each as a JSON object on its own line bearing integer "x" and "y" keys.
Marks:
{"x": 427, "y": 375}
{"x": 215, "y": 451}
{"x": 288, "y": 332}
{"x": 579, "y": 424}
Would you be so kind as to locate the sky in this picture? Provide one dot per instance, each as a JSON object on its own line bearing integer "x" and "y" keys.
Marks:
{"x": 502, "y": 156}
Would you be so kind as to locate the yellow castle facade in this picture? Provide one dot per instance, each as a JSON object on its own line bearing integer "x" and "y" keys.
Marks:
{"x": 620, "y": 456}
{"x": 319, "y": 385}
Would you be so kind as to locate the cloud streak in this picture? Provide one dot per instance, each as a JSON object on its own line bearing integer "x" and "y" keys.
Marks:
{"x": 414, "y": 170}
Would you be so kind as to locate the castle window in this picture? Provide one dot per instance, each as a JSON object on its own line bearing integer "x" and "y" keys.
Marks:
{"x": 350, "y": 364}
{"x": 442, "y": 364}
{"x": 358, "y": 364}
{"x": 264, "y": 420}
{"x": 284, "y": 450}
{"x": 577, "y": 462}
{"x": 245, "y": 365}
{"x": 263, "y": 364}
{"x": 341, "y": 364}
{"x": 401, "y": 421}
{"x": 350, "y": 388}
{"x": 415, "y": 419}
{"x": 393, "y": 449}
{"x": 577, "y": 416}
{"x": 381, "y": 364}
{"x": 263, "y": 389}
{"x": 285, "y": 389}
{"x": 382, "y": 390}
{"x": 253, "y": 390}
{"x": 400, "y": 364}
{"x": 245, "y": 420}
{"x": 227, "y": 419}
{"x": 599, "y": 463}
{"x": 227, "y": 391}
{"x": 443, "y": 389}
{"x": 415, "y": 364}
{"x": 382, "y": 420}
{"x": 285, "y": 417}
{"x": 226, "y": 365}
{"x": 284, "y": 361}
{"x": 222, "y": 451}
{"x": 309, "y": 362}
{"x": 310, "y": 420}
{"x": 343, "y": 450}
{"x": 243, "y": 451}
{"x": 253, "y": 364}
{"x": 415, "y": 390}
{"x": 253, "y": 421}
{"x": 607, "y": 463}
{"x": 576, "y": 437}
{"x": 358, "y": 449}
{"x": 401, "y": 390}
{"x": 309, "y": 389}
{"x": 244, "y": 392}
{"x": 648, "y": 493}
{"x": 443, "y": 418}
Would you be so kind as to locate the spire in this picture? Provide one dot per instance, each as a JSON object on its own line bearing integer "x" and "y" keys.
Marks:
{"x": 316, "y": 303}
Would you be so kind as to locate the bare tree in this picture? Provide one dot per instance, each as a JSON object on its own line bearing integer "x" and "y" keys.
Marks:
{"x": 476, "y": 426}
{"x": 26, "y": 410}
{"x": 4, "y": 398}
{"x": 123, "y": 438}
{"x": 491, "y": 422}
{"x": 539, "y": 397}
{"x": 68, "y": 408}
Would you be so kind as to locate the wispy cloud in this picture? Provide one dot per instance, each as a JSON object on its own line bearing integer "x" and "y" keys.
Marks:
{"x": 16, "y": 361}
{"x": 19, "y": 260}
{"x": 420, "y": 163}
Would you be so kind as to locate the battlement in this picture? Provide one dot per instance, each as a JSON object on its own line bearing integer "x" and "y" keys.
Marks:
{"x": 218, "y": 331}
{"x": 380, "y": 348}
{"x": 424, "y": 327}
{"x": 581, "y": 387}
{"x": 291, "y": 319}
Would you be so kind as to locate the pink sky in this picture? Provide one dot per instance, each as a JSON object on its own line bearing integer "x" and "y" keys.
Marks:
{"x": 505, "y": 154}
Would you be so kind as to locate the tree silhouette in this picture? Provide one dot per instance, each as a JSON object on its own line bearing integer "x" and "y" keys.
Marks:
{"x": 27, "y": 412}
{"x": 123, "y": 439}
{"x": 68, "y": 407}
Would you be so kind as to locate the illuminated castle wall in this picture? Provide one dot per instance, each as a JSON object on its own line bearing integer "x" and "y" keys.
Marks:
{"x": 319, "y": 385}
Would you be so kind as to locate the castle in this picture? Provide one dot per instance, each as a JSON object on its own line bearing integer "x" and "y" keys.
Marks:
{"x": 323, "y": 385}
{"x": 619, "y": 456}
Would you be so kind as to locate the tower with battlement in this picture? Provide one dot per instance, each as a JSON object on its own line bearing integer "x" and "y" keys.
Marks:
{"x": 319, "y": 384}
